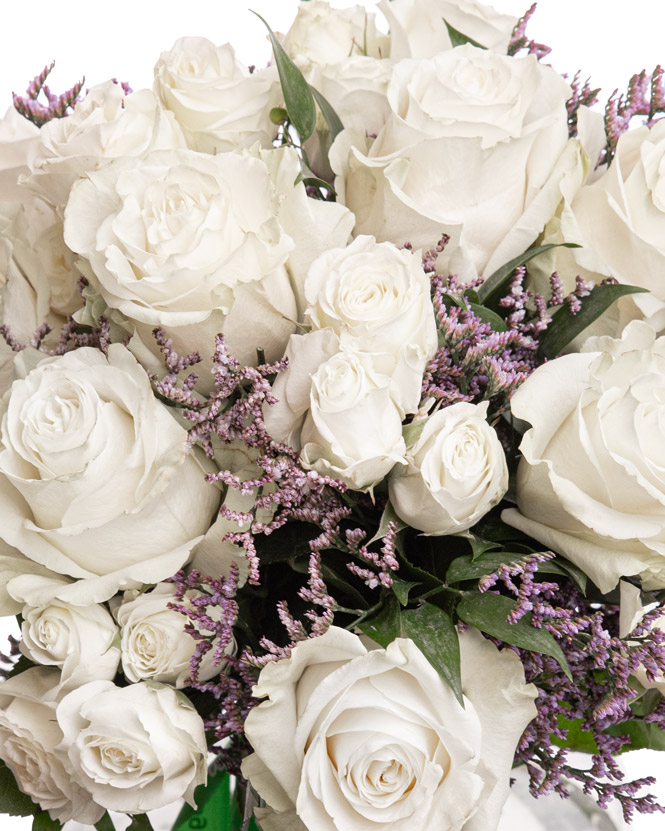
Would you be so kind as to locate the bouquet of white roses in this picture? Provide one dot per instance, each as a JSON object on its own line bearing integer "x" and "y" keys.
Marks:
{"x": 331, "y": 431}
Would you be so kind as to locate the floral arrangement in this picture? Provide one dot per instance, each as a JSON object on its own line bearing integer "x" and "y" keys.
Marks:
{"x": 331, "y": 437}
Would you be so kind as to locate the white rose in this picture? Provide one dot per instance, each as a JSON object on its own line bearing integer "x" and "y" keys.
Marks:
{"x": 356, "y": 89}
{"x": 76, "y": 639}
{"x": 352, "y": 738}
{"x": 189, "y": 242}
{"x": 38, "y": 280}
{"x": 377, "y": 297}
{"x": 154, "y": 642}
{"x": 14, "y": 564}
{"x": 314, "y": 226}
{"x": 106, "y": 125}
{"x": 418, "y": 28}
{"x": 291, "y": 388}
{"x": 29, "y": 736}
{"x": 590, "y": 484}
{"x": 474, "y": 147}
{"x": 619, "y": 220}
{"x": 25, "y": 293}
{"x": 217, "y": 101}
{"x": 353, "y": 429}
{"x": 321, "y": 34}
{"x": 336, "y": 408}
{"x": 454, "y": 474}
{"x": 18, "y": 138}
{"x": 133, "y": 748}
{"x": 95, "y": 480}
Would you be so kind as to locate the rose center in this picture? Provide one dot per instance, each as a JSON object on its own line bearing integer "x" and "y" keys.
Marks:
{"x": 366, "y": 295}
{"x": 388, "y": 777}
{"x": 106, "y": 757}
{"x": 149, "y": 648}
{"x": 340, "y": 382}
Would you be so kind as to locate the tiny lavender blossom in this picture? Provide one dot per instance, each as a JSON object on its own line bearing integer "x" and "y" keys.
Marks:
{"x": 598, "y": 693}
{"x": 520, "y": 39}
{"x": 645, "y": 96}
{"x": 57, "y": 106}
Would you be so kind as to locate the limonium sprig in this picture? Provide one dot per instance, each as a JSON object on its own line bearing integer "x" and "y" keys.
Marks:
{"x": 57, "y": 106}
{"x": 645, "y": 96}
{"x": 211, "y": 615}
{"x": 599, "y": 694}
{"x": 474, "y": 362}
{"x": 520, "y": 41}
{"x": 385, "y": 561}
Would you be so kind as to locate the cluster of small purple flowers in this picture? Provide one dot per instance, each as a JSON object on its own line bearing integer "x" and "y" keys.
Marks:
{"x": 597, "y": 691}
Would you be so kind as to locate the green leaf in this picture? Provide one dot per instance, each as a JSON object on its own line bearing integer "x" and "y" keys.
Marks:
{"x": 478, "y": 545}
{"x": 641, "y": 735}
{"x": 488, "y": 316}
{"x": 490, "y": 292}
{"x": 287, "y": 543}
{"x": 488, "y": 612}
{"x": 13, "y": 801}
{"x": 565, "y": 326}
{"x": 402, "y": 589}
{"x": 384, "y": 627}
{"x": 297, "y": 92}
{"x": 411, "y": 431}
{"x": 576, "y": 574}
{"x": 387, "y": 517}
{"x": 468, "y": 567}
{"x": 141, "y": 822}
{"x": 314, "y": 182}
{"x": 43, "y": 822}
{"x": 332, "y": 119}
{"x": 105, "y": 823}
{"x": 577, "y": 738}
{"x": 459, "y": 39}
{"x": 433, "y": 632}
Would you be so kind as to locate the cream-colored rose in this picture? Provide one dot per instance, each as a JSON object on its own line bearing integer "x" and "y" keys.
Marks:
{"x": 336, "y": 408}
{"x": 106, "y": 125}
{"x": 351, "y": 738}
{"x": 356, "y": 88}
{"x": 292, "y": 387}
{"x": 619, "y": 220}
{"x": 314, "y": 226}
{"x": 133, "y": 748}
{"x": 418, "y": 27}
{"x": 95, "y": 480}
{"x": 376, "y": 297}
{"x": 154, "y": 642}
{"x": 37, "y": 283}
{"x": 189, "y": 242}
{"x": 322, "y": 34}
{"x": 18, "y": 138}
{"x": 353, "y": 430}
{"x": 25, "y": 294}
{"x": 590, "y": 485}
{"x": 76, "y": 639}
{"x": 38, "y": 280}
{"x": 217, "y": 101}
{"x": 29, "y": 737}
{"x": 474, "y": 147}
{"x": 454, "y": 473}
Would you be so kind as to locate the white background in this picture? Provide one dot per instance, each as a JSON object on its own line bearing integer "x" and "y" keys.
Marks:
{"x": 604, "y": 38}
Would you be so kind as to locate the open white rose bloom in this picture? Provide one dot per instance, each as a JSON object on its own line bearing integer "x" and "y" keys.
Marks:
{"x": 332, "y": 429}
